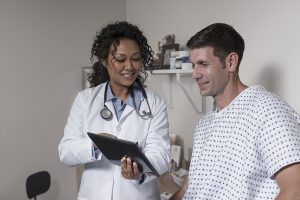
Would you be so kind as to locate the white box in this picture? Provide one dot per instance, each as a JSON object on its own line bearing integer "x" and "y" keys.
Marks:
{"x": 175, "y": 154}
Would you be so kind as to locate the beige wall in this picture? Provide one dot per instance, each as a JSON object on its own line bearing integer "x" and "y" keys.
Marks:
{"x": 43, "y": 45}
{"x": 270, "y": 30}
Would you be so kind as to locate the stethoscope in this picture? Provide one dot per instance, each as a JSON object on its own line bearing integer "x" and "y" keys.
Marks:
{"x": 107, "y": 114}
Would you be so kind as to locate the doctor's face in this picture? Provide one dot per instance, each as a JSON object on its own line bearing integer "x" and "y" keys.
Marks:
{"x": 124, "y": 63}
{"x": 211, "y": 75}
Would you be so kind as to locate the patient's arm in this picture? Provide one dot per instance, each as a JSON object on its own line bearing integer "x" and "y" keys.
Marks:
{"x": 180, "y": 193}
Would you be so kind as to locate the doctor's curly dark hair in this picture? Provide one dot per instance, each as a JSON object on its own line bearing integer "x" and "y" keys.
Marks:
{"x": 110, "y": 36}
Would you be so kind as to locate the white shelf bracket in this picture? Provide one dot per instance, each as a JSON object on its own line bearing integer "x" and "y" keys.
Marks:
{"x": 178, "y": 73}
{"x": 171, "y": 92}
{"x": 203, "y": 102}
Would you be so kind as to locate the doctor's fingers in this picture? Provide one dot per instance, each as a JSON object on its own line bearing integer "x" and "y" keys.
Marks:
{"x": 132, "y": 173}
{"x": 136, "y": 170}
{"x": 124, "y": 162}
{"x": 126, "y": 167}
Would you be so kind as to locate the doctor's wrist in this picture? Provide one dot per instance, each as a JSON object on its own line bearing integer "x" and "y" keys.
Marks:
{"x": 142, "y": 179}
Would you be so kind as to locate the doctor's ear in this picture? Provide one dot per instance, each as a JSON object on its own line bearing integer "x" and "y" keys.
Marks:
{"x": 103, "y": 63}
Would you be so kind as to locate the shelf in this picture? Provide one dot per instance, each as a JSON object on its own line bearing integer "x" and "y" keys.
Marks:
{"x": 179, "y": 73}
{"x": 173, "y": 71}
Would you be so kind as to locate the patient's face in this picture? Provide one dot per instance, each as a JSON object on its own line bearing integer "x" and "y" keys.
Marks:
{"x": 209, "y": 73}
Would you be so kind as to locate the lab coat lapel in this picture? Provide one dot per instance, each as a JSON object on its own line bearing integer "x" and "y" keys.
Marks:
{"x": 128, "y": 110}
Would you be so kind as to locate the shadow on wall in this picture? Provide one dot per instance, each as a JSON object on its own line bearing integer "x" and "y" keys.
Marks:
{"x": 270, "y": 78}
{"x": 185, "y": 162}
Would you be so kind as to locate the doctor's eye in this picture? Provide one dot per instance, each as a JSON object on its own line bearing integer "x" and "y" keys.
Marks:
{"x": 136, "y": 59}
{"x": 120, "y": 60}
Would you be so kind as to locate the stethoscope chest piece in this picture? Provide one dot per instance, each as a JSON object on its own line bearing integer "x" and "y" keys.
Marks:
{"x": 106, "y": 113}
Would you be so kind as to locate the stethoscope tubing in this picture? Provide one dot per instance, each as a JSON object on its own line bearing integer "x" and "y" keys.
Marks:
{"x": 106, "y": 114}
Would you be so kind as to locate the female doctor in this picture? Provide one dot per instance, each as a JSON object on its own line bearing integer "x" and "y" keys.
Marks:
{"x": 116, "y": 103}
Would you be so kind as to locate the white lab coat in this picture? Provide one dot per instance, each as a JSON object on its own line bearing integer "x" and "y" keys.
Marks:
{"x": 101, "y": 180}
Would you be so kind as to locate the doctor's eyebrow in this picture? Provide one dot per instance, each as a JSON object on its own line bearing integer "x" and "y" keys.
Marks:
{"x": 122, "y": 54}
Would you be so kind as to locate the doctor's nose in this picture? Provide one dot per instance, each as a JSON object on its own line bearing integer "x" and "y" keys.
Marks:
{"x": 128, "y": 65}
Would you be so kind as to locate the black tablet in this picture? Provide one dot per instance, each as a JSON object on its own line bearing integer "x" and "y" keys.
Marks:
{"x": 114, "y": 149}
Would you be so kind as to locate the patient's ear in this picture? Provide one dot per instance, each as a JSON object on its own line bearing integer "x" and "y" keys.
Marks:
{"x": 232, "y": 61}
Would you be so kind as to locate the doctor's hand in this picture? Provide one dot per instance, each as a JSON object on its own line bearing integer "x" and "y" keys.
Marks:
{"x": 130, "y": 168}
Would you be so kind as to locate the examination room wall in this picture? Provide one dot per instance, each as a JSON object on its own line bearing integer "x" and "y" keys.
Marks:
{"x": 271, "y": 31}
{"x": 44, "y": 44}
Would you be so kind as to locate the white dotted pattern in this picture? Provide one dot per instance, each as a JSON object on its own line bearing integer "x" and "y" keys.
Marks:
{"x": 238, "y": 150}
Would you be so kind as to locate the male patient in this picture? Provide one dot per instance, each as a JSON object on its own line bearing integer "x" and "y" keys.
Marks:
{"x": 248, "y": 146}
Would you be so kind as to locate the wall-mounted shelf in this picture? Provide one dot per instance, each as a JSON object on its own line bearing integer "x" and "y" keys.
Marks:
{"x": 172, "y": 71}
{"x": 179, "y": 73}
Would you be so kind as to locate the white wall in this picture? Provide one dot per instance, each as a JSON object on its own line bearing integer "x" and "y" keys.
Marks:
{"x": 271, "y": 32}
{"x": 43, "y": 45}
